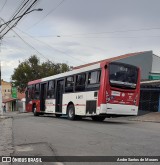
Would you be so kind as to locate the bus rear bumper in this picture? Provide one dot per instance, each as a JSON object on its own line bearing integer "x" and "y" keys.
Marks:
{"x": 118, "y": 109}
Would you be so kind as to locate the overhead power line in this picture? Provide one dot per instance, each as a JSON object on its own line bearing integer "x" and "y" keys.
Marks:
{"x": 51, "y": 11}
{"x": 60, "y": 51}
{"x": 20, "y": 5}
{"x": 3, "y": 5}
{"x": 20, "y": 16}
{"x": 30, "y": 45}
{"x": 16, "y": 13}
{"x": 15, "y": 23}
{"x": 97, "y": 33}
{"x": 20, "y": 10}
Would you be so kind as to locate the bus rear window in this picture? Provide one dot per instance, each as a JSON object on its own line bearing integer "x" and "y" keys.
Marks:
{"x": 123, "y": 76}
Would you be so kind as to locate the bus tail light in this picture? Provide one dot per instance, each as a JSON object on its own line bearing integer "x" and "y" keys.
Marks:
{"x": 109, "y": 98}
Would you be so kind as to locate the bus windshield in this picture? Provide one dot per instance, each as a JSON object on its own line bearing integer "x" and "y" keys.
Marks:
{"x": 122, "y": 75}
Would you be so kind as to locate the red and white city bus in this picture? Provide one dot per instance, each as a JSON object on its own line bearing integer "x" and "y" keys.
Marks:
{"x": 98, "y": 91}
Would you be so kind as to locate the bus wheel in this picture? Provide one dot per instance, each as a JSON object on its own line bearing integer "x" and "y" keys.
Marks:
{"x": 71, "y": 112}
{"x": 35, "y": 111}
{"x": 98, "y": 118}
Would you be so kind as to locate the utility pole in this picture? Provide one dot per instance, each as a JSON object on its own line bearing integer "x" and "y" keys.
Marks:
{"x": 2, "y": 35}
{"x": 1, "y": 109}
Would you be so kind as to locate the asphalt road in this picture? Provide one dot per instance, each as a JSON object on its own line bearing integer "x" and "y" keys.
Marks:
{"x": 49, "y": 136}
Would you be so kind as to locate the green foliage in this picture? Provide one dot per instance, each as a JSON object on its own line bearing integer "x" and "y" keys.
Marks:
{"x": 32, "y": 69}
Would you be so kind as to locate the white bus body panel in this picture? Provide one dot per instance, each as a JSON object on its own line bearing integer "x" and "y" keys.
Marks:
{"x": 70, "y": 73}
{"x": 50, "y": 106}
{"x": 79, "y": 100}
{"x": 118, "y": 109}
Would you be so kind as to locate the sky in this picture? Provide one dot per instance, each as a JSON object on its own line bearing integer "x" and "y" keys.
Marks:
{"x": 77, "y": 32}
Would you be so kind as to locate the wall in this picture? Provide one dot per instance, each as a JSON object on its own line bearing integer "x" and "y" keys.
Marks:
{"x": 6, "y": 89}
{"x": 144, "y": 61}
{"x": 155, "y": 64}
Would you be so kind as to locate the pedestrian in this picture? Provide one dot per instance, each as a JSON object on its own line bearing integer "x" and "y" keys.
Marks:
{"x": 4, "y": 108}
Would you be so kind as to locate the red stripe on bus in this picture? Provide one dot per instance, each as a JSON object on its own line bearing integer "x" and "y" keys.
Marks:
{"x": 80, "y": 105}
{"x": 75, "y": 105}
{"x": 65, "y": 104}
{"x": 49, "y": 105}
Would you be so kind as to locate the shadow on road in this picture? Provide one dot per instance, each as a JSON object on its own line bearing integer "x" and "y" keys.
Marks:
{"x": 89, "y": 120}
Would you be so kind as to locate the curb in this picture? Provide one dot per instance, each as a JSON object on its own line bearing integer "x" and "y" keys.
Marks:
{"x": 5, "y": 117}
{"x": 141, "y": 120}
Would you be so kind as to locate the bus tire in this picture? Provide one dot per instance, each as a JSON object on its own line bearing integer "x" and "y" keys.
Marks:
{"x": 98, "y": 118}
{"x": 71, "y": 112}
{"x": 35, "y": 111}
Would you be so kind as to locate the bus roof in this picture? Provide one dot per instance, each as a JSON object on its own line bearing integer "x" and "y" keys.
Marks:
{"x": 81, "y": 70}
{"x": 73, "y": 72}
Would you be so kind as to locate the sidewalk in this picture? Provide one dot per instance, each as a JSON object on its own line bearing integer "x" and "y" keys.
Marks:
{"x": 149, "y": 117}
{"x": 6, "y": 145}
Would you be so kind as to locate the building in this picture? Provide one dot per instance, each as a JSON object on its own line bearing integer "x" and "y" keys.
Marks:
{"x": 8, "y": 97}
{"x": 150, "y": 96}
{"x": 150, "y": 70}
{"x": 6, "y": 89}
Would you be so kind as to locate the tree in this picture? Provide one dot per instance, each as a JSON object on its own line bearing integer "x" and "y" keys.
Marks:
{"x": 32, "y": 69}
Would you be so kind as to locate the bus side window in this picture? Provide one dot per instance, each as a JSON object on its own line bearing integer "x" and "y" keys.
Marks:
{"x": 80, "y": 82}
{"x": 51, "y": 89}
{"x": 69, "y": 84}
{"x": 37, "y": 91}
{"x": 94, "y": 77}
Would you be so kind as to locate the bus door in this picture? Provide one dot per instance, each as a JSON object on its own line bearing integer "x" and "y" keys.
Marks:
{"x": 43, "y": 96}
{"x": 59, "y": 94}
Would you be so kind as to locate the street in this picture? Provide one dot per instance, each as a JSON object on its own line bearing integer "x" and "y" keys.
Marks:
{"x": 49, "y": 136}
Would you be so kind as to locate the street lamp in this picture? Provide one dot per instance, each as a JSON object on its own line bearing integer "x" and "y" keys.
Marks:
{"x": 39, "y": 9}
{"x": 6, "y": 23}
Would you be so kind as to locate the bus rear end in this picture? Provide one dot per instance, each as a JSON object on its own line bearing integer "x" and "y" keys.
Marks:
{"x": 121, "y": 90}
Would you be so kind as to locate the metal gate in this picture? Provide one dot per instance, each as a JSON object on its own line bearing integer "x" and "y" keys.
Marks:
{"x": 149, "y": 100}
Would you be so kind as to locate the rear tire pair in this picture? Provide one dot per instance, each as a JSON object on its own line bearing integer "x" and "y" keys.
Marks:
{"x": 71, "y": 114}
